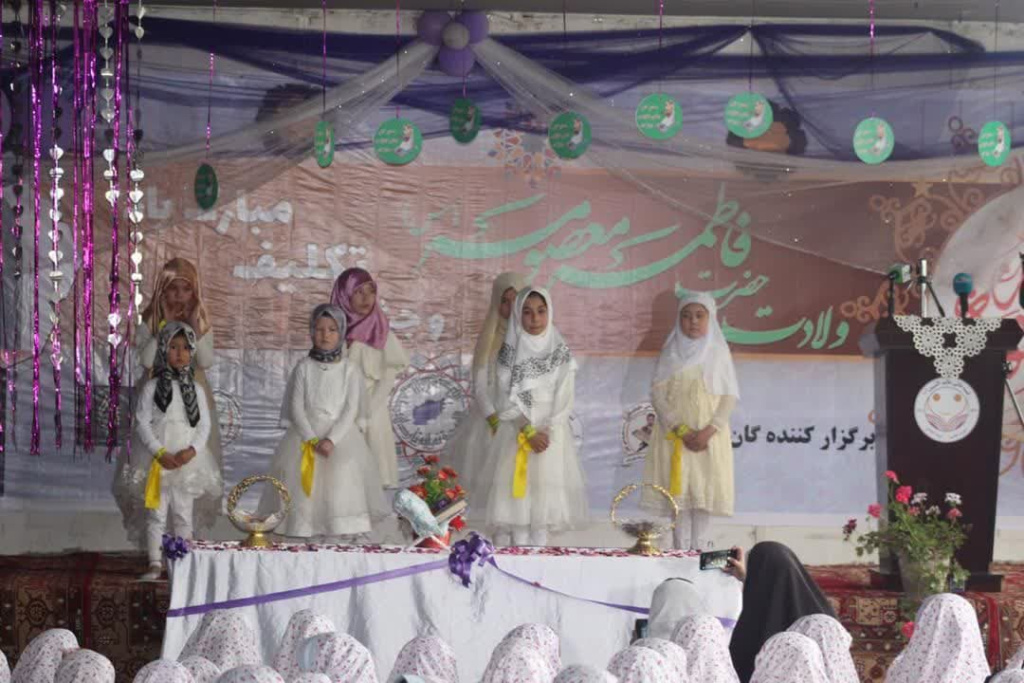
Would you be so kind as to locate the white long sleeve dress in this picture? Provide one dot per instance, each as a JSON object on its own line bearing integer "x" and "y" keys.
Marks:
{"x": 379, "y": 368}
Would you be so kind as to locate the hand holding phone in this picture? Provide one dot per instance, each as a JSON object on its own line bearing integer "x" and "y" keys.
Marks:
{"x": 717, "y": 559}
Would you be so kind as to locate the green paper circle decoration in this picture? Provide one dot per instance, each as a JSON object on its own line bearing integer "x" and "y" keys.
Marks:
{"x": 464, "y": 120}
{"x": 397, "y": 142}
{"x": 873, "y": 140}
{"x": 659, "y": 117}
{"x": 994, "y": 143}
{"x": 569, "y": 135}
{"x": 206, "y": 187}
{"x": 749, "y": 115}
{"x": 323, "y": 144}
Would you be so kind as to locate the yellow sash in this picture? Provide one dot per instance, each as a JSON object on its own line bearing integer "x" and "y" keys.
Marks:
{"x": 306, "y": 466}
{"x": 675, "y": 477}
{"x": 153, "y": 481}
{"x": 522, "y": 462}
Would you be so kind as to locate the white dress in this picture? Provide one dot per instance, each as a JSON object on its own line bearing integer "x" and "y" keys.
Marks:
{"x": 199, "y": 478}
{"x": 130, "y": 473}
{"x": 556, "y": 495}
{"x": 379, "y": 368}
{"x": 324, "y": 403}
{"x": 467, "y": 449}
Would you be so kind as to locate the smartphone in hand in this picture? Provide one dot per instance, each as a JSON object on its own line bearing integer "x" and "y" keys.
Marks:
{"x": 717, "y": 559}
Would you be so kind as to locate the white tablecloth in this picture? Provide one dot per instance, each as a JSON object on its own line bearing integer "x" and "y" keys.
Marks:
{"x": 385, "y": 615}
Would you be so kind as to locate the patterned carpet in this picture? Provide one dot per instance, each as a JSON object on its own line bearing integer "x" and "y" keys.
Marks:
{"x": 97, "y": 597}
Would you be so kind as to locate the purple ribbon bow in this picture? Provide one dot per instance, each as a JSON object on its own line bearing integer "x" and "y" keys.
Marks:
{"x": 475, "y": 549}
{"x": 175, "y": 547}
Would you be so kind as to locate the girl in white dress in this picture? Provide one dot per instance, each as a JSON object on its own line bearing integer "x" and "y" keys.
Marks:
{"x": 374, "y": 351}
{"x": 173, "y": 424}
{"x": 468, "y": 446}
{"x": 323, "y": 459}
{"x": 694, "y": 391}
{"x": 537, "y": 483}
{"x": 177, "y": 296}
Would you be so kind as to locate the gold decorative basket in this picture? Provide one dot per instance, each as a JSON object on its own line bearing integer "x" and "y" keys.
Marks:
{"x": 645, "y": 531}
{"x": 256, "y": 526}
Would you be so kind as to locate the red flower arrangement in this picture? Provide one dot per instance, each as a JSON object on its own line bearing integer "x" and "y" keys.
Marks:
{"x": 440, "y": 489}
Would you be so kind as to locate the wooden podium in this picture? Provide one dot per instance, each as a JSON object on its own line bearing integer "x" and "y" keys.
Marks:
{"x": 969, "y": 466}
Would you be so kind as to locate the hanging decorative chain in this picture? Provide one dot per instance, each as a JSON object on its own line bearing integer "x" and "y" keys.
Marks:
{"x": 930, "y": 339}
{"x": 37, "y": 58}
{"x": 56, "y": 195}
{"x": 16, "y": 137}
{"x": 135, "y": 195}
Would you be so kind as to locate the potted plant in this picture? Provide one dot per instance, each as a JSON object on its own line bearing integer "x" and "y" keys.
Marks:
{"x": 923, "y": 536}
{"x": 440, "y": 490}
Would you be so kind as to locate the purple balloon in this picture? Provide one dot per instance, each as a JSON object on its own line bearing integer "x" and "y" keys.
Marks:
{"x": 430, "y": 25}
{"x": 456, "y": 63}
{"x": 477, "y": 23}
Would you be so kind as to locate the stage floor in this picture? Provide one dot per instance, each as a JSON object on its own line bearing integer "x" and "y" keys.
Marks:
{"x": 98, "y": 598}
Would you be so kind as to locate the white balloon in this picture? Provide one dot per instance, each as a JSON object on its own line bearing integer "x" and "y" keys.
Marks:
{"x": 455, "y": 35}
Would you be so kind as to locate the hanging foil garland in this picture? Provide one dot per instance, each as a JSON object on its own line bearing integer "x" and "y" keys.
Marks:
{"x": 76, "y": 154}
{"x": 56, "y": 195}
{"x": 114, "y": 337}
{"x": 17, "y": 143}
{"x": 36, "y": 59}
{"x": 4, "y": 347}
{"x": 88, "y": 136}
{"x": 135, "y": 195}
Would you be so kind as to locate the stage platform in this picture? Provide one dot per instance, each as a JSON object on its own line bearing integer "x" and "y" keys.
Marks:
{"x": 97, "y": 596}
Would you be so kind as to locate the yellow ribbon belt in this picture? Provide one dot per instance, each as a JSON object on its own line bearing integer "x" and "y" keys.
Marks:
{"x": 522, "y": 462}
{"x": 675, "y": 477}
{"x": 153, "y": 481}
{"x": 306, "y": 466}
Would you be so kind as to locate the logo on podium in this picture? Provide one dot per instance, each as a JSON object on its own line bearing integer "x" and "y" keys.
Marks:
{"x": 946, "y": 409}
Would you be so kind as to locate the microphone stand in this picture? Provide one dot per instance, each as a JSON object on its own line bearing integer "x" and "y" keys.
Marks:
{"x": 924, "y": 283}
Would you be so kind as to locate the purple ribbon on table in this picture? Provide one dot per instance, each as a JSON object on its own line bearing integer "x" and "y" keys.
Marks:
{"x": 473, "y": 550}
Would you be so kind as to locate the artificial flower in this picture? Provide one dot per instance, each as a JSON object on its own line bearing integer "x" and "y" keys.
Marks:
{"x": 423, "y": 471}
{"x": 419, "y": 491}
{"x": 907, "y": 630}
{"x": 953, "y": 499}
{"x": 892, "y": 475}
{"x": 457, "y": 523}
{"x": 933, "y": 510}
{"x": 452, "y": 474}
{"x": 914, "y": 512}
{"x": 954, "y": 514}
{"x": 431, "y": 459}
{"x": 903, "y": 494}
{"x": 875, "y": 510}
{"x": 920, "y": 498}
{"x": 442, "y": 475}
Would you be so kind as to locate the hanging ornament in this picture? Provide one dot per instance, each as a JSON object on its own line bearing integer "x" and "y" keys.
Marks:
{"x": 135, "y": 195}
{"x": 464, "y": 120}
{"x": 206, "y": 187}
{"x": 323, "y": 144}
{"x": 873, "y": 140}
{"x": 748, "y": 115}
{"x": 994, "y": 143}
{"x": 36, "y": 61}
{"x": 569, "y": 135}
{"x": 56, "y": 275}
{"x": 658, "y": 117}
{"x": 397, "y": 142}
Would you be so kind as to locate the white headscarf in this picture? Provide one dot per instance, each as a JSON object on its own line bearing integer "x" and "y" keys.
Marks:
{"x": 426, "y": 657}
{"x": 164, "y": 671}
{"x": 643, "y": 665}
{"x": 710, "y": 351}
{"x": 225, "y": 638}
{"x": 310, "y": 678}
{"x": 85, "y": 666}
{"x": 1017, "y": 660}
{"x": 518, "y": 663}
{"x": 834, "y": 642}
{"x": 528, "y": 361}
{"x": 578, "y": 673}
{"x": 250, "y": 673}
{"x": 946, "y": 646}
{"x": 707, "y": 649}
{"x": 673, "y": 600}
{"x": 492, "y": 335}
{"x": 5, "y": 669}
{"x": 674, "y": 654}
{"x": 1009, "y": 676}
{"x": 201, "y": 668}
{"x": 303, "y": 624}
{"x": 340, "y": 656}
{"x": 788, "y": 657}
{"x": 39, "y": 661}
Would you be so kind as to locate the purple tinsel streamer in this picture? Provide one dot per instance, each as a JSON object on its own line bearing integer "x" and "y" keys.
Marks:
{"x": 36, "y": 62}
{"x": 88, "y": 247}
{"x": 76, "y": 155}
{"x": 121, "y": 21}
{"x": 4, "y": 346}
{"x": 55, "y": 338}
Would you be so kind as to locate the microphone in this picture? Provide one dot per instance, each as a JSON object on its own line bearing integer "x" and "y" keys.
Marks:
{"x": 1020, "y": 292}
{"x": 903, "y": 273}
{"x": 963, "y": 285}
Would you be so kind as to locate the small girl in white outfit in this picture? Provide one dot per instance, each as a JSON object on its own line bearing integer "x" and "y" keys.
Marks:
{"x": 173, "y": 423}
{"x": 323, "y": 459}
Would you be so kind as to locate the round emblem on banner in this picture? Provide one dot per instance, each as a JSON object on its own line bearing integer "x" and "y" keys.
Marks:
{"x": 397, "y": 142}
{"x": 464, "y": 120}
{"x": 637, "y": 431}
{"x": 229, "y": 416}
{"x": 425, "y": 410}
{"x": 749, "y": 115}
{"x": 873, "y": 140}
{"x": 659, "y": 117}
{"x": 994, "y": 143}
{"x": 206, "y": 187}
{"x": 946, "y": 410}
{"x": 323, "y": 144}
{"x": 569, "y": 135}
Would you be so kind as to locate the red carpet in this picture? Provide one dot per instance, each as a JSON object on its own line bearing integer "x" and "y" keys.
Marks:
{"x": 97, "y": 597}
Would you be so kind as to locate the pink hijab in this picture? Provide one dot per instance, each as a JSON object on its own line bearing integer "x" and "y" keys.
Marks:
{"x": 371, "y": 330}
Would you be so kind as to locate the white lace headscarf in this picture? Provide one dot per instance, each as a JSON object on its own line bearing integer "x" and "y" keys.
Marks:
{"x": 711, "y": 351}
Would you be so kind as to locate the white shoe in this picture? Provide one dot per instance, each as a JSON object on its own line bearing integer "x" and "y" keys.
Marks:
{"x": 155, "y": 570}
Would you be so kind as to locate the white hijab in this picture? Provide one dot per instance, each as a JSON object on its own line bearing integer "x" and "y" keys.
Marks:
{"x": 518, "y": 663}
{"x": 492, "y": 335}
{"x": 39, "y": 661}
{"x": 527, "y": 362}
{"x": 673, "y": 600}
{"x": 578, "y": 673}
{"x": 707, "y": 649}
{"x": 250, "y": 673}
{"x": 1017, "y": 660}
{"x": 788, "y": 657}
{"x": 338, "y": 655}
{"x": 673, "y": 654}
{"x": 201, "y": 668}
{"x": 946, "y": 646}
{"x": 225, "y": 638}
{"x": 710, "y": 351}
{"x": 643, "y": 665}
{"x": 834, "y": 642}
{"x": 85, "y": 666}
{"x": 164, "y": 671}
{"x": 302, "y": 625}
{"x": 1009, "y": 676}
{"x": 427, "y": 657}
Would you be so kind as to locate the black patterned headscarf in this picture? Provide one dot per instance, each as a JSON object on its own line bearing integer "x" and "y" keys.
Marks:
{"x": 336, "y": 314}
{"x": 166, "y": 376}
